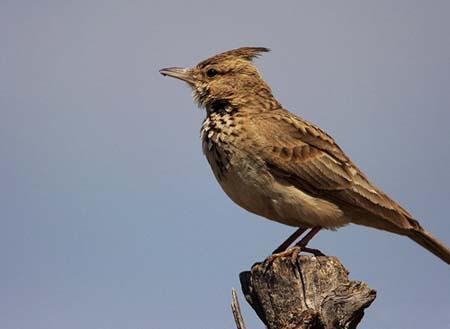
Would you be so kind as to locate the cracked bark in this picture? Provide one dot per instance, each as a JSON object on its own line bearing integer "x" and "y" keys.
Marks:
{"x": 307, "y": 293}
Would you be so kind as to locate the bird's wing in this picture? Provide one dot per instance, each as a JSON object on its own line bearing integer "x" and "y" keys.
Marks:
{"x": 310, "y": 159}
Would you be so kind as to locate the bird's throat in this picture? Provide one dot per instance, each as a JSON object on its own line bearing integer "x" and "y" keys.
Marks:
{"x": 220, "y": 106}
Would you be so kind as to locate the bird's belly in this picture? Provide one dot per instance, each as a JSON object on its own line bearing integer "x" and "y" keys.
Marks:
{"x": 252, "y": 187}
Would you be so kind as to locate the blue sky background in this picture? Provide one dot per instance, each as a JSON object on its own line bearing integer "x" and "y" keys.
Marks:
{"x": 109, "y": 215}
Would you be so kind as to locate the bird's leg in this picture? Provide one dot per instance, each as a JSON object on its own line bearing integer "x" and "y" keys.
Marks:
{"x": 289, "y": 241}
{"x": 303, "y": 242}
{"x": 293, "y": 252}
{"x": 283, "y": 251}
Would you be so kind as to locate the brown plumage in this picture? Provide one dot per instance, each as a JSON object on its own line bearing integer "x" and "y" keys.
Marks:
{"x": 276, "y": 164}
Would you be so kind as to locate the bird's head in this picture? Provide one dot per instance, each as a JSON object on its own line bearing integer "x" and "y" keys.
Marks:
{"x": 228, "y": 78}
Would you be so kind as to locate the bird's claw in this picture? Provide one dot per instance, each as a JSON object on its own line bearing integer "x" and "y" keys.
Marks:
{"x": 315, "y": 252}
{"x": 291, "y": 252}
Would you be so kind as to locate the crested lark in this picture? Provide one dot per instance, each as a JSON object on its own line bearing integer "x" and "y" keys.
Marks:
{"x": 279, "y": 166}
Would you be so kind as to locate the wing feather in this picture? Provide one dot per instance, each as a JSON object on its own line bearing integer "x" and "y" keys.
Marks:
{"x": 313, "y": 161}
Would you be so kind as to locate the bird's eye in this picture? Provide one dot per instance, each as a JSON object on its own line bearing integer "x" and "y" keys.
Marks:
{"x": 211, "y": 72}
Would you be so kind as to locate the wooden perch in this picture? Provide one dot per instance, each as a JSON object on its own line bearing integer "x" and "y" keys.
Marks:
{"x": 236, "y": 308}
{"x": 308, "y": 292}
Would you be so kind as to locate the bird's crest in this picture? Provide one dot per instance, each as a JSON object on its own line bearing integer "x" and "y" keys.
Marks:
{"x": 245, "y": 53}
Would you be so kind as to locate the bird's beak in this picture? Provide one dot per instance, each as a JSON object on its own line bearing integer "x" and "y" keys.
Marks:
{"x": 179, "y": 73}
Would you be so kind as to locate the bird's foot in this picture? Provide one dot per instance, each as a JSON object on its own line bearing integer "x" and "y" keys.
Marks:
{"x": 315, "y": 252}
{"x": 292, "y": 253}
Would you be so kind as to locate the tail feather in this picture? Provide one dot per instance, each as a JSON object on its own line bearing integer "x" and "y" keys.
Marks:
{"x": 430, "y": 243}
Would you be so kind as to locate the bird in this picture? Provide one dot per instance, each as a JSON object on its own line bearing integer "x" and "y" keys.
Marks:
{"x": 280, "y": 166}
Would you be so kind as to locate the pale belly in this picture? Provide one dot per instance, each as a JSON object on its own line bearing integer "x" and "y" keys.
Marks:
{"x": 249, "y": 184}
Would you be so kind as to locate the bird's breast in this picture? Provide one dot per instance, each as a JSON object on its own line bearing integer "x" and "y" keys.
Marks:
{"x": 219, "y": 133}
{"x": 246, "y": 179}
{"x": 237, "y": 171}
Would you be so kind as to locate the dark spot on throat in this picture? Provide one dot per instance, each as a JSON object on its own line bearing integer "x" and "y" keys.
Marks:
{"x": 221, "y": 106}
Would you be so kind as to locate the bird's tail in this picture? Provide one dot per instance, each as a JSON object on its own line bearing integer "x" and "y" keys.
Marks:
{"x": 430, "y": 243}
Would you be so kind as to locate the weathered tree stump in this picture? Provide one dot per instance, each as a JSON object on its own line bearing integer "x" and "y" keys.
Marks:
{"x": 308, "y": 292}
